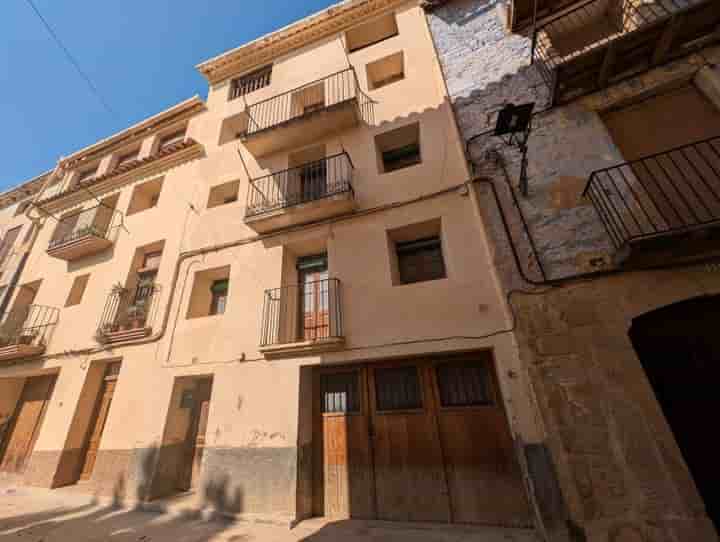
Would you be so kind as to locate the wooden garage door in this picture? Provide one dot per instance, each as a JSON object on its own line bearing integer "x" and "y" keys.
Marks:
{"x": 416, "y": 441}
{"x": 25, "y": 423}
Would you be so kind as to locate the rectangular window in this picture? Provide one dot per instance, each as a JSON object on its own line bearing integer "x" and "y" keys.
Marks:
{"x": 372, "y": 32}
{"x": 397, "y": 388}
{"x": 77, "y": 290}
{"x": 250, "y": 82}
{"x": 172, "y": 139}
{"x": 128, "y": 158}
{"x": 420, "y": 260}
{"x": 87, "y": 175}
{"x": 399, "y": 148}
{"x": 8, "y": 243}
{"x": 385, "y": 71}
{"x": 339, "y": 393}
{"x": 152, "y": 260}
{"x": 219, "y": 294}
{"x": 223, "y": 194}
{"x": 463, "y": 384}
{"x": 145, "y": 196}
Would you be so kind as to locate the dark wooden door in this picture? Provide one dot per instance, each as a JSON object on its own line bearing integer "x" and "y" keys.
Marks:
{"x": 409, "y": 469}
{"x": 484, "y": 477}
{"x": 314, "y": 298}
{"x": 97, "y": 423}
{"x": 26, "y": 422}
{"x": 344, "y": 478}
{"x": 679, "y": 348}
{"x": 194, "y": 444}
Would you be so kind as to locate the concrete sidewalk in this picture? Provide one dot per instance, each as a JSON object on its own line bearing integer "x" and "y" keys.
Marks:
{"x": 38, "y": 515}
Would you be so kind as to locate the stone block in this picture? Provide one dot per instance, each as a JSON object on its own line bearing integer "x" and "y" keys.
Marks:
{"x": 554, "y": 345}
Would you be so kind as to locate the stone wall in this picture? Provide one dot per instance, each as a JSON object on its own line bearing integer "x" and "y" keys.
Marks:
{"x": 621, "y": 473}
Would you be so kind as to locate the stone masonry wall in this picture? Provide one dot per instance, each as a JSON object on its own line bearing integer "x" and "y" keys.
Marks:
{"x": 620, "y": 470}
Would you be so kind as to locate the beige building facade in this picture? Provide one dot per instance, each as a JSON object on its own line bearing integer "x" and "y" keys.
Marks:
{"x": 283, "y": 295}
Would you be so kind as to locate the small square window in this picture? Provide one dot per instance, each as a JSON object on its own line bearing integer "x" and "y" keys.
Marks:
{"x": 172, "y": 139}
{"x": 399, "y": 148}
{"x": 397, "y": 388}
{"x": 250, "y": 82}
{"x": 385, "y": 71}
{"x": 219, "y": 294}
{"x": 464, "y": 384}
{"x": 339, "y": 393}
{"x": 127, "y": 158}
{"x": 223, "y": 194}
{"x": 372, "y": 32}
{"x": 145, "y": 196}
{"x": 77, "y": 290}
{"x": 420, "y": 260}
{"x": 87, "y": 175}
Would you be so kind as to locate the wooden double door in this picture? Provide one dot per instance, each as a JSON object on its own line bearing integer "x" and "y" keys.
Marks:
{"x": 423, "y": 440}
{"x": 24, "y": 426}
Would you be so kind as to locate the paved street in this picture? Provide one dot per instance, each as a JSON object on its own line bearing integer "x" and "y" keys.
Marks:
{"x": 37, "y": 515}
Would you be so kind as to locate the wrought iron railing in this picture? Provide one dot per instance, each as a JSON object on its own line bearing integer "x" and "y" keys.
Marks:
{"x": 309, "y": 182}
{"x": 30, "y": 325}
{"x": 302, "y": 312}
{"x": 127, "y": 309}
{"x": 594, "y": 24}
{"x": 664, "y": 193}
{"x": 95, "y": 221}
{"x": 326, "y": 93}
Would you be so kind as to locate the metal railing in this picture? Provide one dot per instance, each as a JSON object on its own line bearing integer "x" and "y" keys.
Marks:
{"x": 250, "y": 82}
{"x": 127, "y": 309}
{"x": 30, "y": 325}
{"x": 302, "y": 312}
{"x": 331, "y": 91}
{"x": 594, "y": 24}
{"x": 94, "y": 221}
{"x": 309, "y": 182}
{"x": 663, "y": 193}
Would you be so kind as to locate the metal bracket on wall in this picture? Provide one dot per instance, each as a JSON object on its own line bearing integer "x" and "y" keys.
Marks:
{"x": 513, "y": 127}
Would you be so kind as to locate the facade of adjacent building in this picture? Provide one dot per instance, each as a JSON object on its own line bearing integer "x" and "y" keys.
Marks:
{"x": 331, "y": 290}
{"x": 613, "y": 229}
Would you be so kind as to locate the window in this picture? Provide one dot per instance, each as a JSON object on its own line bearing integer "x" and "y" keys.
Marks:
{"x": 371, "y": 33}
{"x": 463, "y": 384}
{"x": 250, "y": 82}
{"x": 307, "y": 100}
{"x": 127, "y": 158}
{"x": 399, "y": 148}
{"x": 339, "y": 393}
{"x": 397, "y": 388}
{"x": 7, "y": 243}
{"x": 209, "y": 293}
{"x": 172, "y": 139}
{"x": 145, "y": 196}
{"x": 385, "y": 71}
{"x": 219, "y": 293}
{"x": 420, "y": 260}
{"x": 234, "y": 128}
{"x": 77, "y": 290}
{"x": 223, "y": 194}
{"x": 151, "y": 261}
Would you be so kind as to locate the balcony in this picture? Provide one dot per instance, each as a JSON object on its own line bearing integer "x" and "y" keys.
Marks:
{"x": 26, "y": 331}
{"x": 662, "y": 208}
{"x": 307, "y": 113}
{"x": 603, "y": 41}
{"x": 82, "y": 234}
{"x": 302, "y": 319}
{"x": 310, "y": 192}
{"x": 129, "y": 313}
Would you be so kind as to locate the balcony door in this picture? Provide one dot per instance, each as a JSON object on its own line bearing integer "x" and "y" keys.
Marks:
{"x": 313, "y": 280}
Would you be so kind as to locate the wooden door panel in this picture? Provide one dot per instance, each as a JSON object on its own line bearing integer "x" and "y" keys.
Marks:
{"x": 347, "y": 477}
{"x": 409, "y": 471}
{"x": 97, "y": 426}
{"x": 26, "y": 422}
{"x": 484, "y": 479}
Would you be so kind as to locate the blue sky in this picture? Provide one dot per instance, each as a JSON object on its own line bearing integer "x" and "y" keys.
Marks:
{"x": 139, "y": 53}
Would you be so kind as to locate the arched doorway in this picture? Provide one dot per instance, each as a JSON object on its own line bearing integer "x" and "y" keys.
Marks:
{"x": 679, "y": 348}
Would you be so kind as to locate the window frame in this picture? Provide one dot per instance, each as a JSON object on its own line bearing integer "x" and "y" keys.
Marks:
{"x": 237, "y": 90}
{"x": 82, "y": 289}
{"x": 413, "y": 247}
{"x": 218, "y": 300}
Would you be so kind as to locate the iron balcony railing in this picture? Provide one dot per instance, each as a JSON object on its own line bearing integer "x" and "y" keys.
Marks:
{"x": 302, "y": 312}
{"x": 94, "y": 221}
{"x": 326, "y": 93}
{"x": 30, "y": 325}
{"x": 594, "y": 24}
{"x": 664, "y": 193}
{"x": 309, "y": 182}
{"x": 127, "y": 309}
